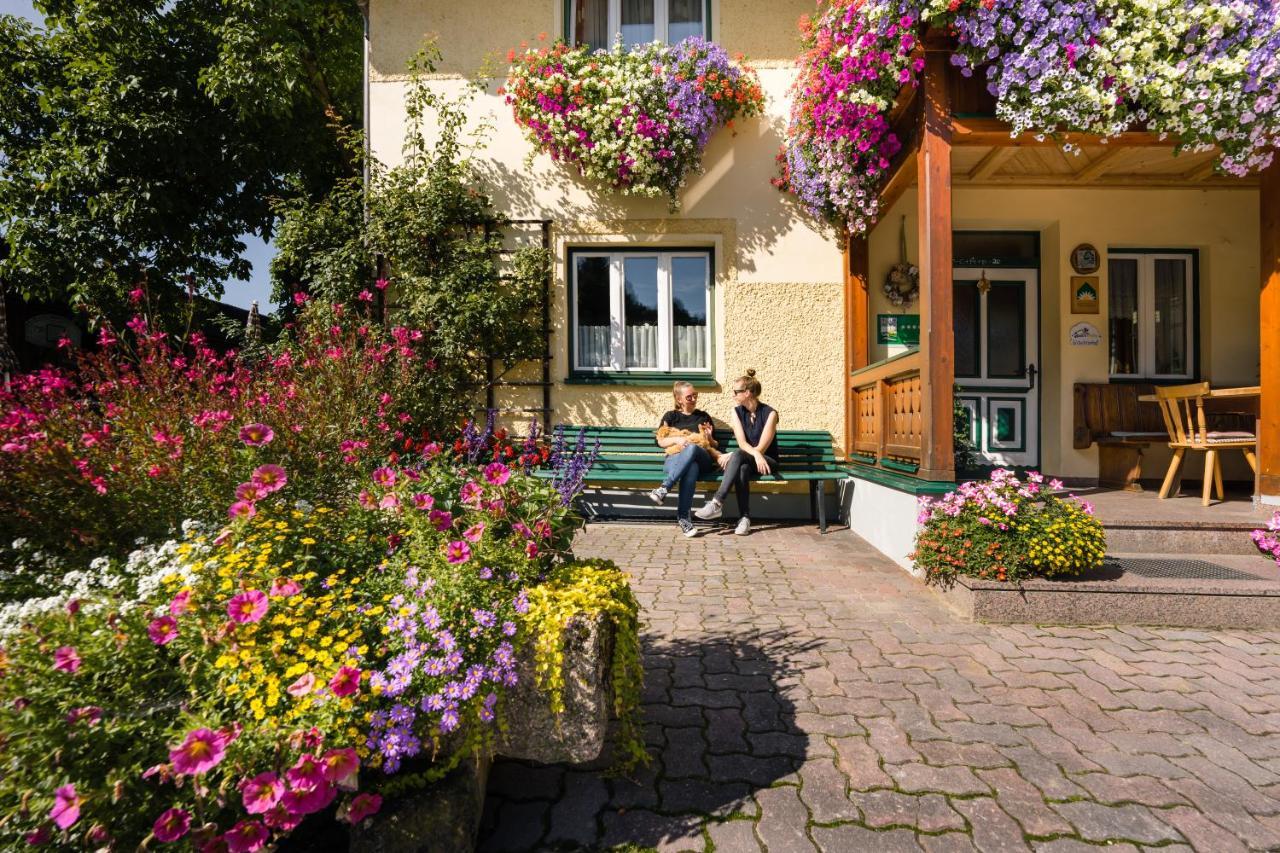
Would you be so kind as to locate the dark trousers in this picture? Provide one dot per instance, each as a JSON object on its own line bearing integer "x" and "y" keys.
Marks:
{"x": 738, "y": 475}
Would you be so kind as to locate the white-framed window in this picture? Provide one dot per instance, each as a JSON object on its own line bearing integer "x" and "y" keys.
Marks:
{"x": 1151, "y": 308}
{"x": 595, "y": 22}
{"x": 641, "y": 311}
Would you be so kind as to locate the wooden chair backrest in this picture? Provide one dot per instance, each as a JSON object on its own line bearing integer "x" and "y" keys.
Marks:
{"x": 1183, "y": 410}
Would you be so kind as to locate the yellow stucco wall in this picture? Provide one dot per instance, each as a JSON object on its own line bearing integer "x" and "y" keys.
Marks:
{"x": 778, "y": 300}
{"x": 1221, "y": 224}
{"x": 468, "y": 35}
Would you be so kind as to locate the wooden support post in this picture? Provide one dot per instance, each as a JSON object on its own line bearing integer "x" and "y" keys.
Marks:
{"x": 1269, "y": 341}
{"x": 937, "y": 337}
{"x": 857, "y": 353}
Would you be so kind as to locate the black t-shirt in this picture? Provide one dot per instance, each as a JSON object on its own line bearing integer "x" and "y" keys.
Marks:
{"x": 677, "y": 419}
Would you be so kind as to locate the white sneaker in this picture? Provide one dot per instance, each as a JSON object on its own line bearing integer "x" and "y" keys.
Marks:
{"x": 658, "y": 495}
{"x": 711, "y": 509}
{"x": 687, "y": 527}
{"x": 744, "y": 526}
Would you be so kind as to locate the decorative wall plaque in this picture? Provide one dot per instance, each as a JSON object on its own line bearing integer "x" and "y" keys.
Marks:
{"x": 1084, "y": 294}
{"x": 1084, "y": 259}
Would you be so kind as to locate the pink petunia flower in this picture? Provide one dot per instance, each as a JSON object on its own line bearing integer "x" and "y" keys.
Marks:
{"x": 341, "y": 766}
{"x": 272, "y": 478}
{"x": 440, "y": 519}
{"x": 163, "y": 631}
{"x": 90, "y": 714}
{"x": 431, "y": 450}
{"x": 249, "y": 492}
{"x": 285, "y": 586}
{"x": 304, "y": 685}
{"x": 41, "y": 834}
{"x": 248, "y": 606}
{"x": 171, "y": 825}
{"x": 423, "y": 501}
{"x": 256, "y": 435}
{"x": 261, "y": 793}
{"x": 345, "y": 682}
{"x": 457, "y": 552}
{"x": 281, "y": 819}
{"x": 247, "y": 836}
{"x": 363, "y": 806}
{"x": 66, "y": 659}
{"x": 306, "y": 772}
{"x": 66, "y": 807}
{"x": 474, "y": 532}
{"x": 497, "y": 473}
{"x": 180, "y": 604}
{"x": 389, "y": 501}
{"x": 470, "y": 493}
{"x": 304, "y": 801}
{"x": 201, "y": 750}
{"x": 242, "y": 509}
{"x": 384, "y": 476}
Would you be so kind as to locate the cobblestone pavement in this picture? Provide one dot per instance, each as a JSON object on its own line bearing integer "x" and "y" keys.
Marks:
{"x": 803, "y": 693}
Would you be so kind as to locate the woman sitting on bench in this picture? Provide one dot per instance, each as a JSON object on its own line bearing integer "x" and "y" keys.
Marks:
{"x": 755, "y": 425}
{"x": 685, "y": 434}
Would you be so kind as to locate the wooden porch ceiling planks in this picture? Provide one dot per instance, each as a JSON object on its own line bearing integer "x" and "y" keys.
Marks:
{"x": 1097, "y": 166}
{"x": 991, "y": 163}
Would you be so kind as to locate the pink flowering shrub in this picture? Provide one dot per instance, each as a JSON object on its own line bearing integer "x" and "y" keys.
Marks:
{"x": 150, "y": 431}
{"x": 306, "y": 659}
{"x": 1268, "y": 541}
{"x": 1005, "y": 529}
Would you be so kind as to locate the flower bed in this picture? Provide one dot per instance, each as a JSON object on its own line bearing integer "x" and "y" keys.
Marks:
{"x": 348, "y": 631}
{"x": 635, "y": 120}
{"x": 1005, "y": 529}
{"x": 1204, "y": 72}
{"x": 1268, "y": 541}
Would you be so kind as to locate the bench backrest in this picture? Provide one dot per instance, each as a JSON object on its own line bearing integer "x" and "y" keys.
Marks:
{"x": 1103, "y": 408}
{"x": 636, "y": 447}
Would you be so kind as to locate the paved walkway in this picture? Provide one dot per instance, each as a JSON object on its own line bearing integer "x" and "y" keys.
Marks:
{"x": 805, "y": 694}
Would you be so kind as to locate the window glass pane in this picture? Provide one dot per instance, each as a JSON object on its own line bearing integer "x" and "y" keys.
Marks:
{"x": 1006, "y": 330}
{"x": 684, "y": 19}
{"x": 640, "y": 277}
{"x": 592, "y": 311}
{"x": 1171, "y": 316}
{"x": 988, "y": 248}
{"x": 689, "y": 291}
{"x": 1122, "y": 283}
{"x": 591, "y": 23}
{"x": 637, "y": 22}
{"x": 965, "y": 311}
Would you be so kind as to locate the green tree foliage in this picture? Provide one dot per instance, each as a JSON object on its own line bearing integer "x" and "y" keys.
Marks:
{"x": 438, "y": 237}
{"x": 140, "y": 139}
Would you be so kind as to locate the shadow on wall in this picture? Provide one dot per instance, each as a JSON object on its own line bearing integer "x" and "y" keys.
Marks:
{"x": 734, "y": 184}
{"x": 720, "y": 727}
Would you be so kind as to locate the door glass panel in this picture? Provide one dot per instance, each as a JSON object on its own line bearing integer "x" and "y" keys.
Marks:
{"x": 1171, "y": 317}
{"x": 1122, "y": 281}
{"x": 640, "y": 278}
{"x": 591, "y": 23}
{"x": 1006, "y": 330}
{"x": 592, "y": 310}
{"x": 965, "y": 311}
{"x": 684, "y": 19}
{"x": 1006, "y": 425}
{"x": 637, "y": 22}
{"x": 689, "y": 312}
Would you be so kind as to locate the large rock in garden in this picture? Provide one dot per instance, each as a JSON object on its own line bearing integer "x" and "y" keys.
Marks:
{"x": 534, "y": 732}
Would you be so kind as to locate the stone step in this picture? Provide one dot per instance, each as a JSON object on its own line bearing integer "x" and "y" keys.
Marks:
{"x": 1180, "y": 537}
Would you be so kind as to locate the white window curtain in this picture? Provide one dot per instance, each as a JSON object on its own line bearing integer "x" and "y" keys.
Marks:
{"x": 596, "y": 22}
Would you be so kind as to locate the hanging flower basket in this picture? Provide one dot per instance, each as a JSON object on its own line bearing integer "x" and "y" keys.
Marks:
{"x": 902, "y": 284}
{"x": 1204, "y": 72}
{"x": 635, "y": 120}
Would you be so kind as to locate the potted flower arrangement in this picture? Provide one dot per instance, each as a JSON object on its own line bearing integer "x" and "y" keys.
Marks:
{"x": 1268, "y": 541}
{"x": 636, "y": 120}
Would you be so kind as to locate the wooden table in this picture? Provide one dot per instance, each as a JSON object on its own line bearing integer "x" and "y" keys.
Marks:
{"x": 1236, "y": 401}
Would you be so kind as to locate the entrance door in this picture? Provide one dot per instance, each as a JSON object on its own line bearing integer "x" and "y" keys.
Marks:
{"x": 997, "y": 334}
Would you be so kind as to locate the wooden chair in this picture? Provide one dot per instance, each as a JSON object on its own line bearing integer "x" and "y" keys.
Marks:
{"x": 1183, "y": 409}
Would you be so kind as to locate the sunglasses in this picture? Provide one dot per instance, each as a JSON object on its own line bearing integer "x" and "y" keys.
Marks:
{"x": 739, "y": 390}
{"x": 691, "y": 396}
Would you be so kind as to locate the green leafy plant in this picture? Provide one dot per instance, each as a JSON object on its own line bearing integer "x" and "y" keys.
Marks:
{"x": 1004, "y": 529}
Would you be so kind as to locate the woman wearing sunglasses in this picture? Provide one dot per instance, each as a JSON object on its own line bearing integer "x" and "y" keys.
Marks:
{"x": 685, "y": 434}
{"x": 755, "y": 425}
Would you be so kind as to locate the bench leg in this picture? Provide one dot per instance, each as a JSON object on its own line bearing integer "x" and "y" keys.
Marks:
{"x": 820, "y": 489}
{"x": 1120, "y": 467}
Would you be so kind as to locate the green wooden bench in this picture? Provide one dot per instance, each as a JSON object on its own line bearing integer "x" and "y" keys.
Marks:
{"x": 632, "y": 455}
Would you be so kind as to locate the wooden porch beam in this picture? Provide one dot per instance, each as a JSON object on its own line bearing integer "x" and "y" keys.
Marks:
{"x": 899, "y": 181}
{"x": 937, "y": 337}
{"x": 1100, "y": 164}
{"x": 857, "y": 325}
{"x": 992, "y": 131}
{"x": 991, "y": 162}
{"x": 1203, "y": 172}
{"x": 1269, "y": 319}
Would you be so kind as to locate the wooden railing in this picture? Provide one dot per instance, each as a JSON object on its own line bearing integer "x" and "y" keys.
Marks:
{"x": 887, "y": 413}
